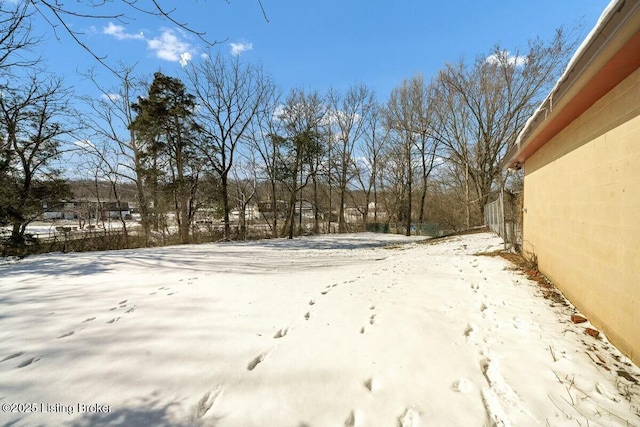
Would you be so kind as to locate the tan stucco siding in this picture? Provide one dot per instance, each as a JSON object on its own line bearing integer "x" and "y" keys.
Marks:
{"x": 582, "y": 213}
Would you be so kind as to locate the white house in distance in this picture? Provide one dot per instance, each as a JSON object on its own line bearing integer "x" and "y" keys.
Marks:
{"x": 581, "y": 157}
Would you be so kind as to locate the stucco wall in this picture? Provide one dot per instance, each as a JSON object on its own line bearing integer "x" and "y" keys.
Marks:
{"x": 582, "y": 213}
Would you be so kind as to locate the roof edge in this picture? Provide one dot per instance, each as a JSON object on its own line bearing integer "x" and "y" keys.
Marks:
{"x": 605, "y": 41}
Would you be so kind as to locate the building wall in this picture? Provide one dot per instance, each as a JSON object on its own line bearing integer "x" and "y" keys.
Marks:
{"x": 582, "y": 213}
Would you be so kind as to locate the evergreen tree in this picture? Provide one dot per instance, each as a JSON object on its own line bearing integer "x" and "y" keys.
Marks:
{"x": 165, "y": 120}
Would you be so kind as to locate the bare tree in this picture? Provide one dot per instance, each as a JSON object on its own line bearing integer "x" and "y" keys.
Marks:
{"x": 111, "y": 123}
{"x": 34, "y": 119}
{"x": 245, "y": 187}
{"x": 403, "y": 119}
{"x": 367, "y": 168}
{"x": 16, "y": 37}
{"x": 302, "y": 116}
{"x": 104, "y": 162}
{"x": 230, "y": 95}
{"x": 481, "y": 108}
{"x": 267, "y": 143}
{"x": 349, "y": 115}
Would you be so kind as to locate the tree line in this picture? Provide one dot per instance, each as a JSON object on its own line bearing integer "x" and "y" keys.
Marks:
{"x": 222, "y": 135}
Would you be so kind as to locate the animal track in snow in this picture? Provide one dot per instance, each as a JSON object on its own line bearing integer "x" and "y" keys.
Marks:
{"x": 281, "y": 333}
{"x": 307, "y": 315}
{"x": 89, "y": 319}
{"x": 370, "y": 384}
{"x": 205, "y": 403}
{"x": 372, "y": 319}
{"x": 362, "y": 330}
{"x": 468, "y": 330}
{"x": 410, "y": 418}
{"x": 28, "y": 361}
{"x": 463, "y": 385}
{"x": 130, "y": 310}
{"x": 256, "y": 361}
{"x": 351, "y": 420}
{"x": 312, "y": 302}
{"x": 324, "y": 292}
{"x": 68, "y": 334}
{"x": 12, "y": 356}
{"x": 499, "y": 393}
{"x": 115, "y": 319}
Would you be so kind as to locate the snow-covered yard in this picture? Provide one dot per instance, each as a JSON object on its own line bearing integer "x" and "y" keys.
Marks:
{"x": 340, "y": 330}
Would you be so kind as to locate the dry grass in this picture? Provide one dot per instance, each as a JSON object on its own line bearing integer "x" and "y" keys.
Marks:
{"x": 530, "y": 269}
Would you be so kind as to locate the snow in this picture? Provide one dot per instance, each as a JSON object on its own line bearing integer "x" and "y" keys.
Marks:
{"x": 338, "y": 330}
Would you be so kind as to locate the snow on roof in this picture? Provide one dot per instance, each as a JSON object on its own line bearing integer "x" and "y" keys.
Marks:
{"x": 608, "y": 12}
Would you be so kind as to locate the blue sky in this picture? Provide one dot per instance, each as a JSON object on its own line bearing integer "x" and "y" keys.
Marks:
{"x": 319, "y": 44}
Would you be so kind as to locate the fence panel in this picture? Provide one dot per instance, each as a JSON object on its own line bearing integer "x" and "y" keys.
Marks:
{"x": 504, "y": 217}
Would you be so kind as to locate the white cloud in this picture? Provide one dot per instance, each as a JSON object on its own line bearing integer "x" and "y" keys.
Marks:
{"x": 83, "y": 143}
{"x": 119, "y": 32}
{"x": 506, "y": 57}
{"x": 110, "y": 97}
{"x": 170, "y": 47}
{"x": 185, "y": 58}
{"x": 239, "y": 48}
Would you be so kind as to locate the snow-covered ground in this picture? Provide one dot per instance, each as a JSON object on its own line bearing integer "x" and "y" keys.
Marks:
{"x": 340, "y": 330}
{"x": 48, "y": 229}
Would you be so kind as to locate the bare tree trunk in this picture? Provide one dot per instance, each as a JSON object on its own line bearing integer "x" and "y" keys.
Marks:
{"x": 409, "y": 196}
{"x": 224, "y": 184}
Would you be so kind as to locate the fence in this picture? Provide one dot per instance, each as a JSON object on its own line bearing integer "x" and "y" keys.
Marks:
{"x": 417, "y": 229}
{"x": 504, "y": 217}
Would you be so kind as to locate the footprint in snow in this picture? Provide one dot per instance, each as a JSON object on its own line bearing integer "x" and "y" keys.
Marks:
{"x": 68, "y": 334}
{"x": 370, "y": 384}
{"x": 12, "y": 356}
{"x": 89, "y": 319}
{"x": 463, "y": 385}
{"x": 307, "y": 315}
{"x": 281, "y": 333}
{"x": 312, "y": 302}
{"x": 205, "y": 403}
{"x": 256, "y": 361}
{"x": 28, "y": 361}
{"x": 410, "y": 418}
{"x": 468, "y": 330}
{"x": 351, "y": 420}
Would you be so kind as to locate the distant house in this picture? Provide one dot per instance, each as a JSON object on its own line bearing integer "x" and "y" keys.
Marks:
{"x": 304, "y": 209}
{"x": 581, "y": 157}
{"x": 251, "y": 213}
{"x": 376, "y": 212}
{"x": 59, "y": 210}
{"x": 266, "y": 208}
{"x": 116, "y": 210}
